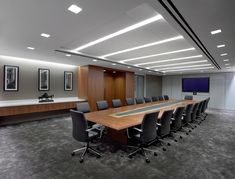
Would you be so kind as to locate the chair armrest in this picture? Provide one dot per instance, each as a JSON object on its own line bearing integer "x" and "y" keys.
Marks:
{"x": 139, "y": 130}
{"x": 158, "y": 124}
{"x": 95, "y": 126}
{"x": 172, "y": 119}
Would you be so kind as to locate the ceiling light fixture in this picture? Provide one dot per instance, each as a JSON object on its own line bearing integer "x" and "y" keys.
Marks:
{"x": 114, "y": 64}
{"x": 176, "y": 64}
{"x": 120, "y": 32}
{"x": 169, "y": 60}
{"x": 188, "y": 69}
{"x": 223, "y": 54}
{"x": 220, "y": 46}
{"x": 30, "y": 48}
{"x": 190, "y": 66}
{"x": 94, "y": 60}
{"x": 68, "y": 55}
{"x": 216, "y": 31}
{"x": 74, "y": 8}
{"x": 45, "y": 35}
{"x": 226, "y": 60}
{"x": 227, "y": 64}
{"x": 228, "y": 67}
{"x": 155, "y": 55}
{"x": 143, "y": 46}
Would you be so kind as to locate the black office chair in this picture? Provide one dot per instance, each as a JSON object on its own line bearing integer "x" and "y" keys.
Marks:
{"x": 194, "y": 113}
{"x": 139, "y": 100}
{"x": 199, "y": 113}
{"x": 166, "y": 97}
{"x": 188, "y": 97}
{"x": 85, "y": 108}
{"x": 146, "y": 135}
{"x": 82, "y": 134}
{"x": 154, "y": 98}
{"x": 130, "y": 101}
{"x": 102, "y": 105}
{"x": 187, "y": 117}
{"x": 116, "y": 103}
{"x": 160, "y": 98}
{"x": 177, "y": 119}
{"x": 147, "y": 100}
{"x": 164, "y": 126}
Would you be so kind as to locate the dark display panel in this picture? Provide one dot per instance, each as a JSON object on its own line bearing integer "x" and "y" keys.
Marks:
{"x": 196, "y": 85}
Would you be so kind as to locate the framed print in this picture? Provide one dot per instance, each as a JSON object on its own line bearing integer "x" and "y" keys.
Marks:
{"x": 11, "y": 78}
{"x": 68, "y": 81}
{"x": 43, "y": 79}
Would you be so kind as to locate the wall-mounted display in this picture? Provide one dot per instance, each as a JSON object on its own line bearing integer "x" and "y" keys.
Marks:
{"x": 43, "y": 79}
{"x": 68, "y": 81}
{"x": 11, "y": 78}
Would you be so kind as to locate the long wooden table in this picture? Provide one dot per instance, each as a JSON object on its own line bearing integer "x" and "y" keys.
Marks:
{"x": 117, "y": 124}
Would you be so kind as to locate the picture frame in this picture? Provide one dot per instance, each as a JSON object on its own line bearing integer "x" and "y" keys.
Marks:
{"x": 11, "y": 78}
{"x": 68, "y": 81}
{"x": 43, "y": 79}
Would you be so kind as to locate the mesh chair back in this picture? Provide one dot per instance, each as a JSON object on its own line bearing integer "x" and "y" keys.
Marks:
{"x": 139, "y": 100}
{"x": 188, "y": 97}
{"x": 199, "y": 109}
{"x": 154, "y": 98}
{"x": 177, "y": 124}
{"x": 160, "y": 98}
{"x": 116, "y": 103}
{"x": 130, "y": 101}
{"x": 149, "y": 127}
{"x": 147, "y": 99}
{"x": 102, "y": 105}
{"x": 166, "y": 97}
{"x": 79, "y": 126}
{"x": 204, "y": 106}
{"x": 83, "y": 107}
{"x": 188, "y": 111}
{"x": 194, "y": 112}
{"x": 165, "y": 122}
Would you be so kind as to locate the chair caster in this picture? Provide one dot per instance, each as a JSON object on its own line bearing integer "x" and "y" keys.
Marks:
{"x": 155, "y": 153}
{"x": 81, "y": 160}
{"x": 181, "y": 137}
{"x": 190, "y": 131}
{"x": 73, "y": 153}
{"x": 98, "y": 156}
{"x": 176, "y": 140}
{"x": 163, "y": 149}
{"x": 195, "y": 126}
{"x": 130, "y": 156}
{"x": 147, "y": 160}
{"x": 168, "y": 144}
{"x": 186, "y": 133}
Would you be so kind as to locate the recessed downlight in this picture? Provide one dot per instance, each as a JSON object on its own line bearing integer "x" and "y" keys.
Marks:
{"x": 120, "y": 32}
{"x": 143, "y": 46}
{"x": 30, "y": 48}
{"x": 74, "y": 8}
{"x": 68, "y": 55}
{"x": 223, "y": 54}
{"x": 227, "y": 64}
{"x": 220, "y": 46}
{"x": 45, "y": 35}
{"x": 228, "y": 67}
{"x": 113, "y": 63}
{"x": 216, "y": 31}
{"x": 226, "y": 60}
{"x": 94, "y": 60}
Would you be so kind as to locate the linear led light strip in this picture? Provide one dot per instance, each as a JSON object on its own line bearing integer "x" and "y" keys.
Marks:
{"x": 188, "y": 69}
{"x": 155, "y": 55}
{"x": 176, "y": 64}
{"x": 143, "y": 46}
{"x": 169, "y": 60}
{"x": 35, "y": 61}
{"x": 120, "y": 32}
{"x": 190, "y": 66}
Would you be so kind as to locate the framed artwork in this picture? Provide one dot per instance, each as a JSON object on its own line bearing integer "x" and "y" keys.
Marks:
{"x": 11, "y": 78}
{"x": 68, "y": 81}
{"x": 43, "y": 79}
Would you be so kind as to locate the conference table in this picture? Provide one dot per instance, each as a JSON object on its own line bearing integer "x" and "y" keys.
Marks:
{"x": 117, "y": 120}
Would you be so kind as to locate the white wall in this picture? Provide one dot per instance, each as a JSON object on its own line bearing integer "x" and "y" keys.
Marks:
{"x": 222, "y": 89}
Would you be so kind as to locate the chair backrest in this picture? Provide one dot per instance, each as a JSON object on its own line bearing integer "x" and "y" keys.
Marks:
{"x": 188, "y": 111}
{"x": 148, "y": 127}
{"x": 116, "y": 103}
{"x": 102, "y": 105}
{"x": 139, "y": 100}
{"x": 147, "y": 99}
{"x": 207, "y": 101}
{"x": 83, "y": 107}
{"x": 79, "y": 126}
{"x": 154, "y": 98}
{"x": 177, "y": 124}
{"x": 165, "y": 122}
{"x": 130, "y": 101}
{"x": 204, "y": 106}
{"x": 166, "y": 97}
{"x": 199, "y": 109}
{"x": 188, "y": 97}
{"x": 160, "y": 98}
{"x": 194, "y": 111}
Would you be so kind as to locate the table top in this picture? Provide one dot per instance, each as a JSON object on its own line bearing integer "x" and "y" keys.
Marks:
{"x": 128, "y": 116}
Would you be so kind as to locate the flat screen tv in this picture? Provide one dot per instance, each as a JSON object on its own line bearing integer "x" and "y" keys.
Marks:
{"x": 196, "y": 85}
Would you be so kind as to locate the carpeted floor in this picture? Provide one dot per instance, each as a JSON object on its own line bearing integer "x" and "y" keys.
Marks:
{"x": 42, "y": 150}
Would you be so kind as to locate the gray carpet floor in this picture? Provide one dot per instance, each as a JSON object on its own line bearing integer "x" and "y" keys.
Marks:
{"x": 41, "y": 149}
